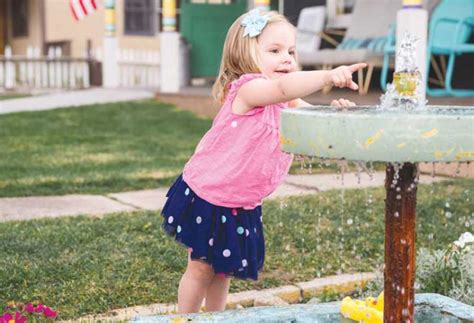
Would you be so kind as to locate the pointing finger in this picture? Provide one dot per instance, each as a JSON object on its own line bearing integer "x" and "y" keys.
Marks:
{"x": 355, "y": 67}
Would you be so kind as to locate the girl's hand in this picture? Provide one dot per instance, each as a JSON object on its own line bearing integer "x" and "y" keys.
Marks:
{"x": 342, "y": 76}
{"x": 342, "y": 103}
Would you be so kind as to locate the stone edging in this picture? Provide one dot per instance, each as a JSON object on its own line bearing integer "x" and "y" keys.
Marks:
{"x": 289, "y": 294}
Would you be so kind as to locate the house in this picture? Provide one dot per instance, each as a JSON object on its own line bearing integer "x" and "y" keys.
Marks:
{"x": 50, "y": 23}
{"x": 203, "y": 23}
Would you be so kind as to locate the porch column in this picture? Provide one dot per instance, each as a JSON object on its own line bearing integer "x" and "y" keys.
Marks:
{"x": 110, "y": 68}
{"x": 173, "y": 62}
{"x": 262, "y": 4}
{"x": 169, "y": 15}
{"x": 412, "y": 18}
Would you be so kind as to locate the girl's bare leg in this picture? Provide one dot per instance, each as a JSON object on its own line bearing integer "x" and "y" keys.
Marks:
{"x": 217, "y": 292}
{"x": 194, "y": 285}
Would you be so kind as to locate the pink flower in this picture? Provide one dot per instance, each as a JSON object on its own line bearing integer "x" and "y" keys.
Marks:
{"x": 19, "y": 318}
{"x": 6, "y": 317}
{"x": 49, "y": 312}
{"x": 29, "y": 308}
{"x": 39, "y": 308}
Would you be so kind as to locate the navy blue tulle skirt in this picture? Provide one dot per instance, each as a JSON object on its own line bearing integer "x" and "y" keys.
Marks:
{"x": 229, "y": 239}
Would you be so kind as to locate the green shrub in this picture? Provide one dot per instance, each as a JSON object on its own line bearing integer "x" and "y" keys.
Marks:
{"x": 448, "y": 272}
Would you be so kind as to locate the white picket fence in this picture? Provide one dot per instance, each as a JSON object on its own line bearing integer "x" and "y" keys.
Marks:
{"x": 36, "y": 71}
{"x": 137, "y": 67}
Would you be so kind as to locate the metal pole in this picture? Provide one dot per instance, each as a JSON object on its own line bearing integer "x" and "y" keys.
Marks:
{"x": 400, "y": 215}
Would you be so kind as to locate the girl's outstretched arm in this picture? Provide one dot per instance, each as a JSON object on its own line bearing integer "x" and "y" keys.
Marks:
{"x": 262, "y": 92}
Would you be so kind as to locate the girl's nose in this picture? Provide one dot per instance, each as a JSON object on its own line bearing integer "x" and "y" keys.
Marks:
{"x": 287, "y": 59}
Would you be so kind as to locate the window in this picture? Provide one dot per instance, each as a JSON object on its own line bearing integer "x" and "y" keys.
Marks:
{"x": 140, "y": 17}
{"x": 20, "y": 18}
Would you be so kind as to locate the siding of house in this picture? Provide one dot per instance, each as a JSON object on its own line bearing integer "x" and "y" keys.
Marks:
{"x": 129, "y": 41}
{"x": 20, "y": 44}
{"x": 60, "y": 26}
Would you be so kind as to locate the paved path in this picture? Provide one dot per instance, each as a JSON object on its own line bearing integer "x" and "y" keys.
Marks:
{"x": 70, "y": 99}
{"x": 26, "y": 208}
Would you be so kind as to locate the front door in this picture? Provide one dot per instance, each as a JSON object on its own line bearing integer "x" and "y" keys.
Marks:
{"x": 204, "y": 25}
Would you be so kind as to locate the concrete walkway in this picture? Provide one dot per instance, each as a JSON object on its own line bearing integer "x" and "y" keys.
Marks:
{"x": 68, "y": 99}
{"x": 26, "y": 208}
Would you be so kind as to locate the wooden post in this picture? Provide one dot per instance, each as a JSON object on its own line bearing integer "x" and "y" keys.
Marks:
{"x": 399, "y": 272}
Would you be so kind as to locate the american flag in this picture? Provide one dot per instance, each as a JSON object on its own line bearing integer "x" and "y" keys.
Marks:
{"x": 82, "y": 8}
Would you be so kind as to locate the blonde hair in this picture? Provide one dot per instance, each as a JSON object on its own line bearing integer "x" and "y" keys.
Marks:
{"x": 239, "y": 55}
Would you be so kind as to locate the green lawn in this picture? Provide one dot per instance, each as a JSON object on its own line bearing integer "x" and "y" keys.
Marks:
{"x": 96, "y": 149}
{"x": 12, "y": 96}
{"x": 85, "y": 265}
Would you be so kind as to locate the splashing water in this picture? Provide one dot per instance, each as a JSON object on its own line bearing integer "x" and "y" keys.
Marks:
{"x": 404, "y": 92}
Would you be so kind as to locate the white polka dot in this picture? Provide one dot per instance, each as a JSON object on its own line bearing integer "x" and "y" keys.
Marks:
{"x": 226, "y": 253}
{"x": 233, "y": 124}
{"x": 198, "y": 220}
{"x": 178, "y": 229}
{"x": 240, "y": 230}
{"x": 244, "y": 263}
{"x": 261, "y": 218}
{"x": 255, "y": 230}
{"x": 170, "y": 219}
{"x": 223, "y": 219}
{"x": 186, "y": 192}
{"x": 211, "y": 242}
{"x": 192, "y": 200}
{"x": 247, "y": 232}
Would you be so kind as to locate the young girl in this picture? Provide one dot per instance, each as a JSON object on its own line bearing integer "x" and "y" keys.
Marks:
{"x": 214, "y": 207}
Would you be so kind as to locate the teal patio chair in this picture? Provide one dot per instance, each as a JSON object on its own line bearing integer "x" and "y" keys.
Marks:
{"x": 450, "y": 27}
{"x": 363, "y": 41}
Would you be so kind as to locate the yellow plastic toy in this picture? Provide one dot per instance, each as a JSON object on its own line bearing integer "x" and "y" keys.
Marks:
{"x": 368, "y": 311}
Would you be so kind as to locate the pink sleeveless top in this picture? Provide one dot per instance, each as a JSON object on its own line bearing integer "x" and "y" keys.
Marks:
{"x": 239, "y": 162}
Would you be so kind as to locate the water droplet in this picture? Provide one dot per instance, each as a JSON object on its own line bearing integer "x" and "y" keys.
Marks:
{"x": 447, "y": 204}
{"x": 448, "y": 214}
{"x": 350, "y": 221}
{"x": 396, "y": 214}
{"x": 399, "y": 197}
{"x": 398, "y": 189}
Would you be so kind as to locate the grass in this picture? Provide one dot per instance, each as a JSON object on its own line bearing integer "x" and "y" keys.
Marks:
{"x": 102, "y": 149}
{"x": 95, "y": 149}
{"x": 12, "y": 96}
{"x": 86, "y": 265}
